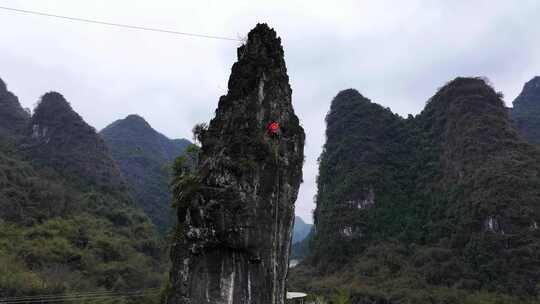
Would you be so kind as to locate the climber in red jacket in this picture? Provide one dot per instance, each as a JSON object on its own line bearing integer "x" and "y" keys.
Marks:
{"x": 273, "y": 128}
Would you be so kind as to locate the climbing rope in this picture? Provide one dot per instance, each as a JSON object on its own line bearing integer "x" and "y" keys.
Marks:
{"x": 276, "y": 211}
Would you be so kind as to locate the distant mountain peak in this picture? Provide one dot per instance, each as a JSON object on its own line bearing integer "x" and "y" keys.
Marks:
{"x": 526, "y": 111}
{"x": 13, "y": 118}
{"x": 301, "y": 229}
{"x": 529, "y": 98}
{"x": 458, "y": 166}
{"x": 52, "y": 108}
{"x": 346, "y": 101}
{"x": 349, "y": 93}
{"x": 142, "y": 153}
{"x": 534, "y": 83}
{"x": 134, "y": 118}
{"x": 54, "y": 97}
{"x": 3, "y": 86}
{"x": 58, "y": 137}
{"x": 132, "y": 123}
{"x": 461, "y": 90}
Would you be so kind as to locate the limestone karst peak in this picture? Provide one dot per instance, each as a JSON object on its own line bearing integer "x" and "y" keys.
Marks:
{"x": 136, "y": 119}
{"x": 526, "y": 111}
{"x": 533, "y": 84}
{"x": 53, "y": 98}
{"x": 529, "y": 98}
{"x": 3, "y": 86}
{"x": 53, "y": 107}
{"x": 58, "y": 137}
{"x": 13, "y": 118}
{"x": 132, "y": 122}
{"x": 348, "y": 98}
{"x": 348, "y": 93}
{"x": 142, "y": 153}
{"x": 260, "y": 56}
{"x": 237, "y": 229}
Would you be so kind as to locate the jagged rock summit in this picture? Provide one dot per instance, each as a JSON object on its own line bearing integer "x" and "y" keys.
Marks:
{"x": 58, "y": 137}
{"x": 234, "y": 232}
{"x": 526, "y": 111}
{"x": 13, "y": 117}
{"x": 143, "y": 155}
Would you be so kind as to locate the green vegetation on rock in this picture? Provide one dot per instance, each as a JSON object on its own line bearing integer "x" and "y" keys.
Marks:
{"x": 438, "y": 208}
{"x": 145, "y": 157}
{"x": 63, "y": 230}
{"x": 57, "y": 238}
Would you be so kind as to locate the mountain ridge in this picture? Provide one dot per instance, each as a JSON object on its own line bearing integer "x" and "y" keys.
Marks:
{"x": 58, "y": 137}
{"x": 63, "y": 228}
{"x": 444, "y": 200}
{"x": 13, "y": 117}
{"x": 144, "y": 156}
{"x": 300, "y": 230}
{"x": 526, "y": 111}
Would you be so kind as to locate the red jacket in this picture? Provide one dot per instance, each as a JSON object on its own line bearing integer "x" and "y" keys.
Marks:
{"x": 273, "y": 127}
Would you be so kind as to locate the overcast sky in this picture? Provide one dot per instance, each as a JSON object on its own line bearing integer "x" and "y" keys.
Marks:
{"x": 397, "y": 53}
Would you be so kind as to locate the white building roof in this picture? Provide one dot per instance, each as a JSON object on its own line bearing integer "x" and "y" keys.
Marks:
{"x": 295, "y": 295}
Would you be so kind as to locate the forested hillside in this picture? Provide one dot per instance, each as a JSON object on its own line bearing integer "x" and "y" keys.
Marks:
{"x": 13, "y": 118}
{"x": 64, "y": 227}
{"x": 57, "y": 137}
{"x": 145, "y": 157}
{"x": 439, "y": 208}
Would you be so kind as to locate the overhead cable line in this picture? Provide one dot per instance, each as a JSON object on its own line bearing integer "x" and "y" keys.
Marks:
{"x": 78, "y": 299}
{"x": 58, "y": 295}
{"x": 103, "y": 297}
{"x": 128, "y": 26}
{"x": 77, "y": 296}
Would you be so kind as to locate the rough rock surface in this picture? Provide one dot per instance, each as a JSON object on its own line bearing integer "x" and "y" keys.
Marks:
{"x": 58, "y": 137}
{"x": 234, "y": 236}
{"x": 13, "y": 117}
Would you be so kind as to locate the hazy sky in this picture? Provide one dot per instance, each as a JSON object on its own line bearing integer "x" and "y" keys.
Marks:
{"x": 397, "y": 53}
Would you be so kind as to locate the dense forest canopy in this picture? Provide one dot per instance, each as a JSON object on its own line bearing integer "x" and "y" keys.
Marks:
{"x": 145, "y": 158}
{"x": 61, "y": 229}
{"x": 429, "y": 207}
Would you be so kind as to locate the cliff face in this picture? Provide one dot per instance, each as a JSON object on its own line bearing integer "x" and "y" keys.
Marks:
{"x": 144, "y": 156}
{"x": 526, "y": 111}
{"x": 358, "y": 169}
{"x": 58, "y": 137}
{"x": 446, "y": 200}
{"x": 13, "y": 118}
{"x": 234, "y": 232}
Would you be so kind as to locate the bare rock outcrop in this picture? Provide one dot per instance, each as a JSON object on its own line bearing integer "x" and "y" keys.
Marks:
{"x": 234, "y": 232}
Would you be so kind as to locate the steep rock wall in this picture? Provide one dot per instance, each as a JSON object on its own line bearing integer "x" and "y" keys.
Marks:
{"x": 234, "y": 234}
